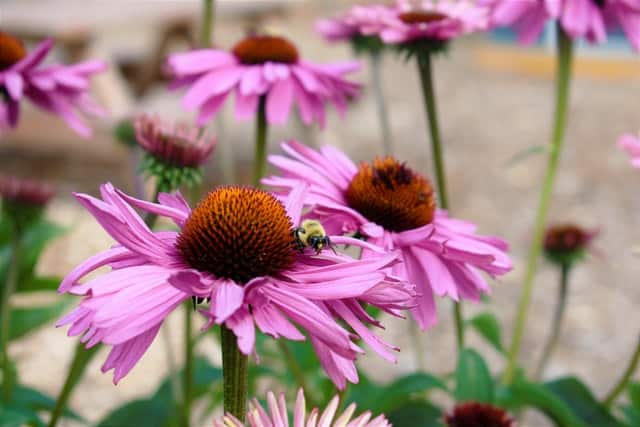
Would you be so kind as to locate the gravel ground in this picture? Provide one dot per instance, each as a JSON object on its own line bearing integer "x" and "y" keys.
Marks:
{"x": 487, "y": 117}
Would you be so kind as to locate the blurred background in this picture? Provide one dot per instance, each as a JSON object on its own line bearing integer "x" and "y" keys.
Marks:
{"x": 495, "y": 102}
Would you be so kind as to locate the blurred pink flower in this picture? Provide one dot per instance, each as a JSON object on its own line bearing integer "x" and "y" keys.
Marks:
{"x": 25, "y": 191}
{"x": 579, "y": 18}
{"x": 261, "y": 67}
{"x": 631, "y": 144}
{"x": 178, "y": 144}
{"x": 58, "y": 89}
{"x": 440, "y": 20}
{"x": 278, "y": 415}
{"x": 394, "y": 207}
{"x": 235, "y": 248}
{"x": 366, "y": 20}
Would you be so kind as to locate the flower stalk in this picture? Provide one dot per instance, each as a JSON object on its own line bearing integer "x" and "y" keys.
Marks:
{"x": 235, "y": 375}
{"x": 626, "y": 377}
{"x": 556, "y": 324}
{"x": 260, "y": 162}
{"x": 5, "y": 313}
{"x": 383, "y": 115}
{"x": 188, "y": 365}
{"x": 208, "y": 16}
{"x": 563, "y": 79}
{"x": 80, "y": 361}
{"x": 425, "y": 69}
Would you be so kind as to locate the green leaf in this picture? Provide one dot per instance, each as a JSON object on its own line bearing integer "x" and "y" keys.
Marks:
{"x": 19, "y": 417}
{"x": 634, "y": 395}
{"x": 487, "y": 325}
{"x": 582, "y": 402}
{"x": 25, "y": 320}
{"x": 40, "y": 283}
{"x": 31, "y": 399}
{"x": 523, "y": 394}
{"x": 140, "y": 413}
{"x": 33, "y": 243}
{"x": 416, "y": 414}
{"x": 161, "y": 410}
{"x": 525, "y": 154}
{"x": 473, "y": 379}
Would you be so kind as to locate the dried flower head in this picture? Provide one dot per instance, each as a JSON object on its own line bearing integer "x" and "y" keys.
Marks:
{"x": 23, "y": 200}
{"x": 566, "y": 244}
{"x": 473, "y": 414}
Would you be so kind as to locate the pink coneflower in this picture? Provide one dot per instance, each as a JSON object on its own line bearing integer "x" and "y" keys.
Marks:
{"x": 278, "y": 415}
{"x": 360, "y": 20}
{"x": 579, "y": 18}
{"x": 261, "y": 69}
{"x": 25, "y": 191}
{"x": 174, "y": 152}
{"x": 177, "y": 144}
{"x": 394, "y": 207}
{"x": 474, "y": 414}
{"x": 439, "y": 20}
{"x": 631, "y": 144}
{"x": 58, "y": 89}
{"x": 236, "y": 247}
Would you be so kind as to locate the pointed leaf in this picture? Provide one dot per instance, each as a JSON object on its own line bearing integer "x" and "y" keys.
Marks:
{"x": 25, "y": 320}
{"x": 487, "y": 325}
{"x": 582, "y": 402}
{"x": 415, "y": 414}
{"x": 473, "y": 379}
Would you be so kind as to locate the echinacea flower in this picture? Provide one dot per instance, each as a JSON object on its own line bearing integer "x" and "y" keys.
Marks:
{"x": 174, "y": 151}
{"x": 277, "y": 416}
{"x": 566, "y": 244}
{"x": 631, "y": 144}
{"x": 236, "y": 248}
{"x": 360, "y": 25}
{"x": 588, "y": 19}
{"x": 58, "y": 89}
{"x": 263, "y": 72}
{"x": 394, "y": 207}
{"x": 433, "y": 21}
{"x": 23, "y": 200}
{"x": 474, "y": 414}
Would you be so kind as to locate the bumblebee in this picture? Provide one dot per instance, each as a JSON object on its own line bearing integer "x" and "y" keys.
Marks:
{"x": 311, "y": 234}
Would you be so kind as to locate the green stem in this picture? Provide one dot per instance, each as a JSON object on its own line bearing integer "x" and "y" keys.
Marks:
{"x": 260, "y": 162}
{"x": 425, "y": 70}
{"x": 5, "y": 313}
{"x": 208, "y": 14}
{"x": 81, "y": 359}
{"x": 383, "y": 114}
{"x": 235, "y": 375}
{"x": 624, "y": 380}
{"x": 556, "y": 324}
{"x": 563, "y": 78}
{"x": 188, "y": 364}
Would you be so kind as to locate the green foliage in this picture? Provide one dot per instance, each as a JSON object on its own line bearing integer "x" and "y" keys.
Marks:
{"x": 125, "y": 133}
{"x": 25, "y": 320}
{"x": 473, "y": 379}
{"x": 371, "y": 45}
{"x": 523, "y": 394}
{"x": 631, "y": 411}
{"x": 416, "y": 414}
{"x": 34, "y": 240}
{"x": 169, "y": 176}
{"x": 161, "y": 409}
{"x": 582, "y": 402}
{"x": 487, "y": 325}
{"x": 25, "y": 405}
{"x": 422, "y": 48}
